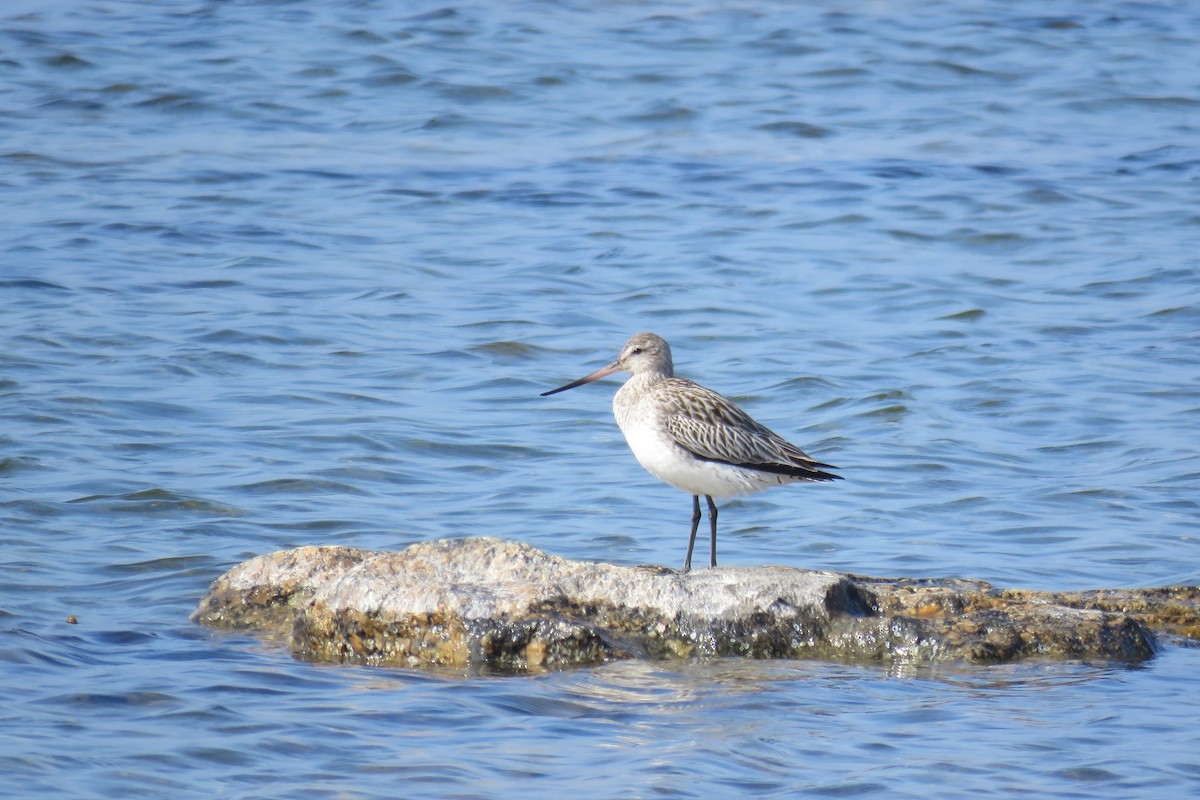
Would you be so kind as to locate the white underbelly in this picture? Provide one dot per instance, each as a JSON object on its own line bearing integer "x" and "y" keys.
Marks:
{"x": 669, "y": 462}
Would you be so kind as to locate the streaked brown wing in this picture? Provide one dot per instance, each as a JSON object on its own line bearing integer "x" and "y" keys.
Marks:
{"x": 711, "y": 427}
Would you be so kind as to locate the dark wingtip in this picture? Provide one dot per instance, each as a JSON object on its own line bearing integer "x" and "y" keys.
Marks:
{"x": 822, "y": 475}
{"x": 809, "y": 472}
{"x": 817, "y": 475}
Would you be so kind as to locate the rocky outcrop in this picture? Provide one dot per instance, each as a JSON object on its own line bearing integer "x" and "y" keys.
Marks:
{"x": 502, "y": 605}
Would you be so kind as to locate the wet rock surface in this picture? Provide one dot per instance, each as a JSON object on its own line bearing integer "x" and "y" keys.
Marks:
{"x": 503, "y": 605}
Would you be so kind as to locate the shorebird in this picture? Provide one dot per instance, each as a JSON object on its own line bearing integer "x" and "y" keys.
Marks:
{"x": 695, "y": 439}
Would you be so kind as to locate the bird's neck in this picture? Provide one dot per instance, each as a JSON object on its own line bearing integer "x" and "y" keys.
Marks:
{"x": 644, "y": 380}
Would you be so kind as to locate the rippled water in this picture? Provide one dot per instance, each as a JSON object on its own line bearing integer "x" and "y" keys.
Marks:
{"x": 277, "y": 274}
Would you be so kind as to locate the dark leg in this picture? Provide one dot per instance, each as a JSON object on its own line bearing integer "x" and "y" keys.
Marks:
{"x": 687, "y": 562}
{"x": 712, "y": 520}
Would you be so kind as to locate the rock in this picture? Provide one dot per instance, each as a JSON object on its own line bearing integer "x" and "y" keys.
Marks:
{"x": 1173, "y": 609}
{"x": 265, "y": 593}
{"x": 502, "y": 605}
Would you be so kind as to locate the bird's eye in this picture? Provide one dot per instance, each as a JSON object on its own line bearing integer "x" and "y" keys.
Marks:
{"x": 637, "y": 350}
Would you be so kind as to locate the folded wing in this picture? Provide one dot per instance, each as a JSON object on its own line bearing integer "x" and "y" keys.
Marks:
{"x": 712, "y": 428}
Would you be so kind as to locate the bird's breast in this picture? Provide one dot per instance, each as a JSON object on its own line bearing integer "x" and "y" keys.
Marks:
{"x": 657, "y": 451}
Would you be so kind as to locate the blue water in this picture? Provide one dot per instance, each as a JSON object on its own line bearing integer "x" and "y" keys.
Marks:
{"x": 276, "y": 274}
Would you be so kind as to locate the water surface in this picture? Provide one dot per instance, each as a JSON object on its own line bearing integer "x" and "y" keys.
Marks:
{"x": 278, "y": 274}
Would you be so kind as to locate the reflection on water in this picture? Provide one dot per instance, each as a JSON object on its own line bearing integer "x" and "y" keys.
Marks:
{"x": 281, "y": 274}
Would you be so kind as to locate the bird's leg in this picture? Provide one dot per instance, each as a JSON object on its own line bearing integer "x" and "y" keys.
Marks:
{"x": 712, "y": 521}
{"x": 687, "y": 562}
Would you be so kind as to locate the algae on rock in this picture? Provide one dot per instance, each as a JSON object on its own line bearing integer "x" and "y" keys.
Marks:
{"x": 503, "y": 605}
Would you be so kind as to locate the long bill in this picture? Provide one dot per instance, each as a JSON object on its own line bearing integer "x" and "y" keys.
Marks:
{"x": 595, "y": 376}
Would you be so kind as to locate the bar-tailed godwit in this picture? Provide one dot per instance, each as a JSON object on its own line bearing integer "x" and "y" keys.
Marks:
{"x": 695, "y": 439}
